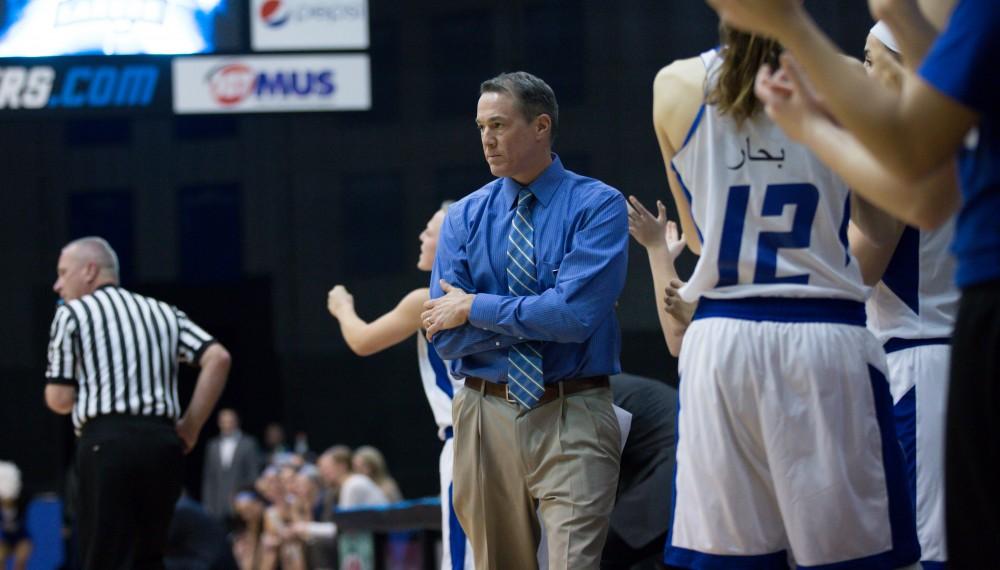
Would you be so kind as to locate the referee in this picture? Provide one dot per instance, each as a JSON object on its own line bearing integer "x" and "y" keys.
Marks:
{"x": 113, "y": 359}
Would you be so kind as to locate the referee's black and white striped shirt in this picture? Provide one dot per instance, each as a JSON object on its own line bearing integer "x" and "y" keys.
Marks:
{"x": 120, "y": 351}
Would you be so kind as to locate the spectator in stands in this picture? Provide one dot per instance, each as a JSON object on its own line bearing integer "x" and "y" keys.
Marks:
{"x": 370, "y": 461}
{"x": 280, "y": 545}
{"x": 14, "y": 540}
{"x": 249, "y": 507}
{"x": 274, "y": 440}
{"x": 232, "y": 460}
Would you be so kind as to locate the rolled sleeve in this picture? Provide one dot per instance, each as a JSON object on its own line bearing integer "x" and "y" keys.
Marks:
{"x": 192, "y": 340}
{"x": 61, "y": 367}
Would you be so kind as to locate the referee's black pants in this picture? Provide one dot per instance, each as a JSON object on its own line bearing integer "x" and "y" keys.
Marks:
{"x": 972, "y": 453}
{"x": 130, "y": 470}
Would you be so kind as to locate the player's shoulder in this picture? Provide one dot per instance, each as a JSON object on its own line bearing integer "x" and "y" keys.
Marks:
{"x": 678, "y": 93}
{"x": 686, "y": 74}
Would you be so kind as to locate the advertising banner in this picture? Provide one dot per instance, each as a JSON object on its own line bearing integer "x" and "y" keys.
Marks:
{"x": 272, "y": 84}
{"x": 81, "y": 86}
{"x": 277, "y": 25}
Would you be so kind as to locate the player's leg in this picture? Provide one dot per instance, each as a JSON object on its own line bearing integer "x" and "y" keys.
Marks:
{"x": 831, "y": 443}
{"x": 919, "y": 380}
{"x": 725, "y": 511}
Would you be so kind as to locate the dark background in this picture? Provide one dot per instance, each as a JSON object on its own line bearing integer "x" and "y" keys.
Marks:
{"x": 247, "y": 221}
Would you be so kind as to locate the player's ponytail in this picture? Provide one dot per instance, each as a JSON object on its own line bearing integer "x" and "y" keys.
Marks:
{"x": 742, "y": 55}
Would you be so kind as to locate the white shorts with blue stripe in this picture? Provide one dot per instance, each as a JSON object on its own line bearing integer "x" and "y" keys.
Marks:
{"x": 918, "y": 378}
{"x": 786, "y": 447}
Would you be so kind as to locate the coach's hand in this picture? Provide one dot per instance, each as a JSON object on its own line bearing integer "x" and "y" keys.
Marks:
{"x": 447, "y": 312}
{"x": 188, "y": 433}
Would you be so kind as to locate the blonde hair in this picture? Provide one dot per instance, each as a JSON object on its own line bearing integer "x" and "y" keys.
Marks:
{"x": 742, "y": 55}
{"x": 375, "y": 462}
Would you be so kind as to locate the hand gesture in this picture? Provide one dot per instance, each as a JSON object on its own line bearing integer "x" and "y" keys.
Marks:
{"x": 788, "y": 98}
{"x": 447, "y": 312}
{"x": 643, "y": 226}
{"x": 337, "y": 299}
{"x": 767, "y": 17}
{"x": 675, "y": 306}
{"x": 675, "y": 240}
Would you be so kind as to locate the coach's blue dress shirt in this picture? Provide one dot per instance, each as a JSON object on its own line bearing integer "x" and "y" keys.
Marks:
{"x": 581, "y": 244}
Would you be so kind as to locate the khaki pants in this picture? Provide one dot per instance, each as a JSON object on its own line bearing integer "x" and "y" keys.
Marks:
{"x": 558, "y": 461}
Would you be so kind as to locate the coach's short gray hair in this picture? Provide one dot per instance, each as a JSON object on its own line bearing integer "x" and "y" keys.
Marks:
{"x": 531, "y": 94}
{"x": 98, "y": 250}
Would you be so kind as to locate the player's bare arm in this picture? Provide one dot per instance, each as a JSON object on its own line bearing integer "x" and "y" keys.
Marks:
{"x": 873, "y": 236}
{"x": 678, "y": 93}
{"x": 663, "y": 244}
{"x": 390, "y": 329}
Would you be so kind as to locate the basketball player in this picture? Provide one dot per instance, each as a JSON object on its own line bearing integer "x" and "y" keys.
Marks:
{"x": 786, "y": 448}
{"x": 914, "y": 302}
{"x": 389, "y": 330}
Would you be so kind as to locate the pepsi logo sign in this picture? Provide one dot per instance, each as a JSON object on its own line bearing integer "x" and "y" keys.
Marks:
{"x": 275, "y": 13}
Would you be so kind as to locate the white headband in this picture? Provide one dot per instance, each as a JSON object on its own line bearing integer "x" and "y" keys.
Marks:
{"x": 884, "y": 35}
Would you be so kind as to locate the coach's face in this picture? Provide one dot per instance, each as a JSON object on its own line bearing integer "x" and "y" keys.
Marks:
{"x": 75, "y": 275}
{"x": 513, "y": 145}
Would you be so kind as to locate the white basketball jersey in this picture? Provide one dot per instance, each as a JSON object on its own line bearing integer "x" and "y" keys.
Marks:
{"x": 771, "y": 217}
{"x": 439, "y": 385}
{"x": 917, "y": 297}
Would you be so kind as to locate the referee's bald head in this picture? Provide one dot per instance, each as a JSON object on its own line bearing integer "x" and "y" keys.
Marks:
{"x": 84, "y": 265}
{"x": 97, "y": 250}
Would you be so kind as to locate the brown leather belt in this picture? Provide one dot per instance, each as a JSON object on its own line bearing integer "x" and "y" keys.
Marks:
{"x": 571, "y": 386}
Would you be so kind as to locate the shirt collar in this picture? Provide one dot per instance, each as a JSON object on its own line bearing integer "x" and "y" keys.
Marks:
{"x": 544, "y": 187}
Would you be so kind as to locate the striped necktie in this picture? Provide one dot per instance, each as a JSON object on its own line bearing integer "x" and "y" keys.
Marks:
{"x": 524, "y": 360}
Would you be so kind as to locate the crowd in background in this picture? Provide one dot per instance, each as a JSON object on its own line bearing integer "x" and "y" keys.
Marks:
{"x": 280, "y": 510}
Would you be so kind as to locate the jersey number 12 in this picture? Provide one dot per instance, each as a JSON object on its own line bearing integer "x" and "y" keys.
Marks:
{"x": 776, "y": 196}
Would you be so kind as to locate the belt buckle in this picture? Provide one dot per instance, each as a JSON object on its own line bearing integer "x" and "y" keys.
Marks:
{"x": 507, "y": 394}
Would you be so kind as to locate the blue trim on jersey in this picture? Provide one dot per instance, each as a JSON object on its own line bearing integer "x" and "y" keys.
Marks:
{"x": 844, "y": 223}
{"x": 440, "y": 371}
{"x": 902, "y": 275}
{"x": 694, "y": 127}
{"x": 902, "y": 520}
{"x": 457, "y": 537}
{"x": 700, "y": 561}
{"x": 896, "y": 344}
{"x": 449, "y": 432}
{"x": 690, "y": 199}
{"x": 882, "y": 561}
{"x": 933, "y": 565}
{"x": 784, "y": 310}
{"x": 905, "y": 413}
